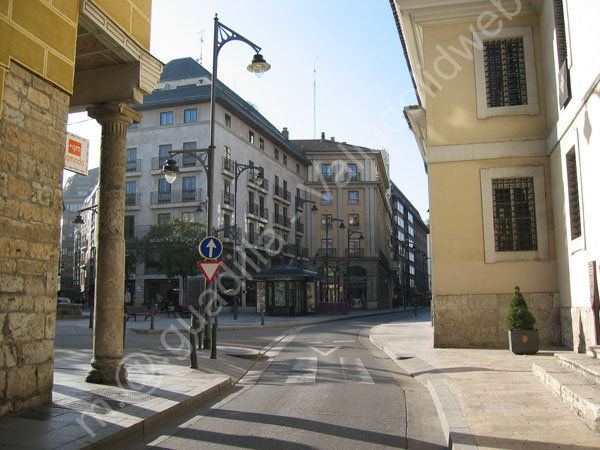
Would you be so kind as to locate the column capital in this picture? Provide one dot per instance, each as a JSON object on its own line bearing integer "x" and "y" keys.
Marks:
{"x": 111, "y": 113}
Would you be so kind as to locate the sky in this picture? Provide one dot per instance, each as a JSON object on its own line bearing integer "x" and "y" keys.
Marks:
{"x": 349, "y": 48}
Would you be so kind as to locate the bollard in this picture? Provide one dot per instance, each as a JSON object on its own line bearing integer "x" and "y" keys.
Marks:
{"x": 193, "y": 353}
{"x": 124, "y": 329}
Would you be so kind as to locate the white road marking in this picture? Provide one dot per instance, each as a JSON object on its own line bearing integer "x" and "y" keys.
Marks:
{"x": 306, "y": 368}
{"x": 355, "y": 371}
{"x": 274, "y": 351}
{"x": 328, "y": 352}
{"x": 340, "y": 342}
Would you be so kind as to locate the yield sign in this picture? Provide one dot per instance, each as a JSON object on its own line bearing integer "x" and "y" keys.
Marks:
{"x": 209, "y": 269}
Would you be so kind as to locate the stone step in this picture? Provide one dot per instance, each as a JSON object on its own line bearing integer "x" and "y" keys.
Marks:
{"x": 578, "y": 392}
{"x": 594, "y": 351}
{"x": 582, "y": 364}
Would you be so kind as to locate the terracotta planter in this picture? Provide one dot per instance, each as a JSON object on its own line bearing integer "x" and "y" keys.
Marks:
{"x": 524, "y": 342}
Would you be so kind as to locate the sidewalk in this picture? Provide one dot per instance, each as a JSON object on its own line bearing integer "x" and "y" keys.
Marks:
{"x": 160, "y": 384}
{"x": 486, "y": 399}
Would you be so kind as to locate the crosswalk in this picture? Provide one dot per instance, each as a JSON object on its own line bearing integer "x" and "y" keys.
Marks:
{"x": 304, "y": 371}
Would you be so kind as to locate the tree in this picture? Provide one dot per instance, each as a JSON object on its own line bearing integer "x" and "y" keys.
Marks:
{"x": 173, "y": 248}
{"x": 519, "y": 317}
{"x": 134, "y": 254}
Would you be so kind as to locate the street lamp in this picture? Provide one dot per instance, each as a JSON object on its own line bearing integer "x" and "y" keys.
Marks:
{"x": 78, "y": 220}
{"x": 223, "y": 35}
{"x": 299, "y": 203}
{"x": 239, "y": 169}
{"x": 360, "y": 237}
{"x": 328, "y": 223}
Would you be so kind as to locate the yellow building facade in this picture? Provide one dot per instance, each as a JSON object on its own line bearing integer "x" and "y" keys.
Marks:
{"x": 494, "y": 124}
{"x": 56, "y": 56}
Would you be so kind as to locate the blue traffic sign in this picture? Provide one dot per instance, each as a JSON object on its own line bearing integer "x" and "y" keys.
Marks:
{"x": 210, "y": 247}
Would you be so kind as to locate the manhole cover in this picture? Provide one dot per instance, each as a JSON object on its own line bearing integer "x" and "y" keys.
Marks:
{"x": 122, "y": 395}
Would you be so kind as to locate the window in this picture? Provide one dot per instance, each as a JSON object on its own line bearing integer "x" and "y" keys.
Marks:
{"x": 277, "y": 154}
{"x": 400, "y": 235}
{"x": 327, "y": 245}
{"x": 261, "y": 143}
{"x": 163, "y": 219}
{"x": 189, "y": 188}
{"x": 353, "y": 220}
{"x": 326, "y": 197}
{"x": 514, "y": 213}
{"x": 227, "y": 153}
{"x": 189, "y": 115}
{"x": 228, "y": 121}
{"x": 134, "y": 126}
{"x": 163, "y": 154}
{"x": 251, "y": 136}
{"x": 164, "y": 190}
{"x": 324, "y": 219}
{"x": 285, "y": 160}
{"x": 130, "y": 193}
{"x": 573, "y": 193}
{"x": 352, "y": 196}
{"x": 399, "y": 206}
{"x": 411, "y": 230}
{"x": 298, "y": 168}
{"x": 505, "y": 75}
{"x": 411, "y": 218}
{"x": 166, "y": 118}
{"x": 411, "y": 269}
{"x": 354, "y": 245}
{"x": 326, "y": 172}
{"x": 411, "y": 256}
{"x": 189, "y": 159}
{"x": 131, "y": 160}
{"x": 400, "y": 221}
{"x": 129, "y": 226}
{"x": 352, "y": 172}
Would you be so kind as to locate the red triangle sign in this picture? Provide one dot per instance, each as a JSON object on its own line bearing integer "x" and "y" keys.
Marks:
{"x": 209, "y": 269}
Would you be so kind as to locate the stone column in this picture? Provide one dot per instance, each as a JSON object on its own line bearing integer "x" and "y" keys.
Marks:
{"x": 107, "y": 365}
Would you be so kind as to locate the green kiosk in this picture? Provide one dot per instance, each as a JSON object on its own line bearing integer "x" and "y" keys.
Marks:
{"x": 285, "y": 290}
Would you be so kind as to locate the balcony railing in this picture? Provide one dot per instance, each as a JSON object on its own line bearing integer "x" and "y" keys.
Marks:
{"x": 228, "y": 164}
{"x": 282, "y": 220}
{"x": 355, "y": 252}
{"x": 253, "y": 209}
{"x": 228, "y": 198}
{"x": 282, "y": 193}
{"x": 299, "y": 227}
{"x": 175, "y": 196}
{"x": 264, "y": 213}
{"x": 132, "y": 199}
{"x": 133, "y": 165}
{"x": 181, "y": 160}
{"x": 351, "y": 176}
{"x": 327, "y": 176}
{"x": 327, "y": 251}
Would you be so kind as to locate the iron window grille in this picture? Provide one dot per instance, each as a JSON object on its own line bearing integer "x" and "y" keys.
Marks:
{"x": 504, "y": 62}
{"x": 514, "y": 214}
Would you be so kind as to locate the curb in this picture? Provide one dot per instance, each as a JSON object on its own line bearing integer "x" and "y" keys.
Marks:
{"x": 149, "y": 424}
{"x": 260, "y": 327}
{"x": 454, "y": 425}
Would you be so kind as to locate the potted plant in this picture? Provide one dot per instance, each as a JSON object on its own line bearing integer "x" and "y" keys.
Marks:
{"x": 523, "y": 338}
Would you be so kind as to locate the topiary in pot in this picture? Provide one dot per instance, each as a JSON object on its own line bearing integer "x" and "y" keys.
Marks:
{"x": 522, "y": 337}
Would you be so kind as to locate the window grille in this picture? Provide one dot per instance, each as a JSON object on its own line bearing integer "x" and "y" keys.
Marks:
{"x": 514, "y": 214}
{"x": 504, "y": 62}
{"x": 574, "y": 212}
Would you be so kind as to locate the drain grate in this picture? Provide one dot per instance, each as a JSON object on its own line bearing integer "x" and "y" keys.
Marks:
{"x": 122, "y": 395}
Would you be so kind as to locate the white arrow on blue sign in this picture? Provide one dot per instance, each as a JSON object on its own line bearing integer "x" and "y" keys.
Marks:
{"x": 210, "y": 247}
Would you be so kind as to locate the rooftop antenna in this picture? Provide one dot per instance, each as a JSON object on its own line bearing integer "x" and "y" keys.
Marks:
{"x": 315, "y": 98}
{"x": 201, "y": 44}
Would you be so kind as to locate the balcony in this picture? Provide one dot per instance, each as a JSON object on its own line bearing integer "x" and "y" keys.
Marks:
{"x": 181, "y": 160}
{"x": 228, "y": 198}
{"x": 253, "y": 209}
{"x": 355, "y": 252}
{"x": 282, "y": 220}
{"x": 327, "y": 176}
{"x": 352, "y": 176}
{"x": 228, "y": 165}
{"x": 132, "y": 199}
{"x": 133, "y": 165}
{"x": 178, "y": 196}
{"x": 324, "y": 251}
{"x": 264, "y": 213}
{"x": 282, "y": 193}
{"x": 299, "y": 227}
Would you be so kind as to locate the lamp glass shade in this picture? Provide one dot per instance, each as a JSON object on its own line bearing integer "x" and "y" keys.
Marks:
{"x": 258, "y": 66}
{"x": 170, "y": 177}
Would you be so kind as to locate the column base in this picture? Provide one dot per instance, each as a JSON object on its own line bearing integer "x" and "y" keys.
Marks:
{"x": 107, "y": 372}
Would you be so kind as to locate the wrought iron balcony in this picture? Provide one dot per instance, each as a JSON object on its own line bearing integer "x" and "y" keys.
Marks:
{"x": 133, "y": 165}
{"x": 175, "y": 196}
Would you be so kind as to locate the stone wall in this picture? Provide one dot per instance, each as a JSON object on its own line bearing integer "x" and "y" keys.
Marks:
{"x": 477, "y": 320}
{"x": 578, "y": 328}
{"x": 32, "y": 142}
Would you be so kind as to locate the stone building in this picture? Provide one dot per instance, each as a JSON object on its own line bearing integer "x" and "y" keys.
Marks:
{"x": 55, "y": 58}
{"x": 409, "y": 250}
{"x": 508, "y": 99}
{"x": 176, "y": 117}
{"x": 350, "y": 185}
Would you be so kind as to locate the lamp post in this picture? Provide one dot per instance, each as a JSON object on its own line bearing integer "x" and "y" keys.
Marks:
{"x": 239, "y": 169}
{"x": 360, "y": 237}
{"x": 328, "y": 223}
{"x": 299, "y": 203}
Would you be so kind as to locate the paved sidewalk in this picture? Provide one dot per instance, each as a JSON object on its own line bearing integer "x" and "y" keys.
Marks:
{"x": 160, "y": 384}
{"x": 486, "y": 399}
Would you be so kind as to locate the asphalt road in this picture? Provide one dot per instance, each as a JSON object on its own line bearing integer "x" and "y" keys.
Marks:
{"x": 321, "y": 387}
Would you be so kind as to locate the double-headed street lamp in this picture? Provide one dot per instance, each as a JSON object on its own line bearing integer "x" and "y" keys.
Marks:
{"x": 328, "y": 223}
{"x": 222, "y": 35}
{"x": 299, "y": 203}
{"x": 260, "y": 177}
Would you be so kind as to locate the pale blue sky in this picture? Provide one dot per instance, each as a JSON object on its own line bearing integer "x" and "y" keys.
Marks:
{"x": 362, "y": 82}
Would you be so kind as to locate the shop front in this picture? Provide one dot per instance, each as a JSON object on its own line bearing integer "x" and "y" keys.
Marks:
{"x": 286, "y": 290}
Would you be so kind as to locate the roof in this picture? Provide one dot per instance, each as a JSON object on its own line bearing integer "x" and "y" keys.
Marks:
{"x": 284, "y": 272}
{"x": 328, "y": 145}
{"x": 187, "y": 68}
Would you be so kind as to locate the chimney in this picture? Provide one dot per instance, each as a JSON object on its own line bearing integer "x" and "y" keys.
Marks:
{"x": 322, "y": 135}
{"x": 286, "y": 133}
{"x": 332, "y": 139}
